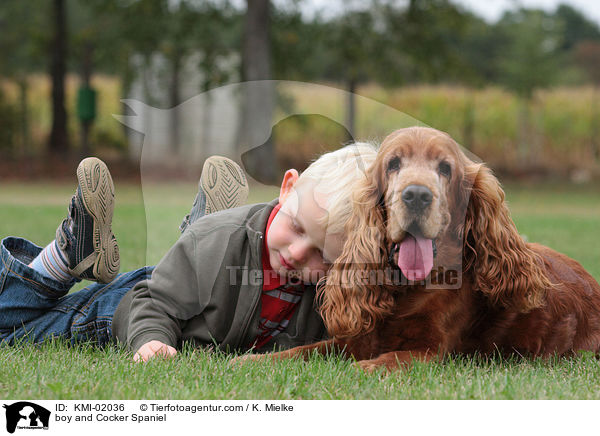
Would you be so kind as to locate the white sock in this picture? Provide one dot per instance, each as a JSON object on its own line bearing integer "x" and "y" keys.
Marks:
{"x": 51, "y": 263}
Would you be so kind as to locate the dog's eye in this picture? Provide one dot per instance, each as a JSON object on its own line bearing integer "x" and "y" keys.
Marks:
{"x": 394, "y": 164}
{"x": 445, "y": 169}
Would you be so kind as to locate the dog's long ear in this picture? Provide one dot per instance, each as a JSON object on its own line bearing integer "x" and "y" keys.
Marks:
{"x": 352, "y": 297}
{"x": 503, "y": 267}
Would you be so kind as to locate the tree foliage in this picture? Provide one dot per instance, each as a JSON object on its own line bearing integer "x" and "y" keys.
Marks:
{"x": 391, "y": 42}
{"x": 530, "y": 56}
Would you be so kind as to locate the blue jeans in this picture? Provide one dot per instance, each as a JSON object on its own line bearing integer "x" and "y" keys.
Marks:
{"x": 35, "y": 308}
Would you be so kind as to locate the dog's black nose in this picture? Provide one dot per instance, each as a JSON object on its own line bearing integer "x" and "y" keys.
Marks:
{"x": 417, "y": 197}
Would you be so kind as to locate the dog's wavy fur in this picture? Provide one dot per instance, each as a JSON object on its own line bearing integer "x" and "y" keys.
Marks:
{"x": 503, "y": 267}
{"x": 514, "y": 297}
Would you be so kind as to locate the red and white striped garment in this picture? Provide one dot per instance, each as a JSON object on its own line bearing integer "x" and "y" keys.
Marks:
{"x": 278, "y": 306}
{"x": 278, "y": 300}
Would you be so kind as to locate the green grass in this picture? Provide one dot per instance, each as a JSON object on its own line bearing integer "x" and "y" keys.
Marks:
{"x": 33, "y": 372}
{"x": 567, "y": 218}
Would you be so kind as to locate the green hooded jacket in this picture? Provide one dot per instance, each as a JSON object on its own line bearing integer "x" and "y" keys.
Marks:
{"x": 207, "y": 290}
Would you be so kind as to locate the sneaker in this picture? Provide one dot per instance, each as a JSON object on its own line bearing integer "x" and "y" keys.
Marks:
{"x": 222, "y": 186}
{"x": 85, "y": 236}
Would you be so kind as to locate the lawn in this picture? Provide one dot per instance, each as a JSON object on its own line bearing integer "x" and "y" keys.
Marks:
{"x": 564, "y": 217}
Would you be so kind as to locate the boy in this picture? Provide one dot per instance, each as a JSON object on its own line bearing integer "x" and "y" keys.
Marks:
{"x": 222, "y": 283}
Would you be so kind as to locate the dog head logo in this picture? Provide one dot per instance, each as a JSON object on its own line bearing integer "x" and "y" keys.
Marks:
{"x": 181, "y": 138}
{"x": 26, "y": 415}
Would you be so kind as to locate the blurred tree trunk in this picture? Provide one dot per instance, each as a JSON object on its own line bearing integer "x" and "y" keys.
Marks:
{"x": 59, "y": 141}
{"x": 524, "y": 136}
{"x": 351, "y": 108}
{"x": 147, "y": 70}
{"x": 174, "y": 101}
{"x": 258, "y": 98}
{"x": 86, "y": 77}
{"x": 24, "y": 112}
{"x": 208, "y": 148}
{"x": 595, "y": 147}
{"x": 256, "y": 47}
{"x": 469, "y": 120}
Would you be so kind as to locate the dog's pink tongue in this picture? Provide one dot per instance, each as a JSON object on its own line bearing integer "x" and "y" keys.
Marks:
{"x": 415, "y": 258}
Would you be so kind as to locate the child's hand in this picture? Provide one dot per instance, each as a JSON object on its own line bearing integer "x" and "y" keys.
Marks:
{"x": 152, "y": 348}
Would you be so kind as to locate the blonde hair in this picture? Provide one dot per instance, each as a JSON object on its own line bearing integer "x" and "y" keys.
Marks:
{"x": 334, "y": 174}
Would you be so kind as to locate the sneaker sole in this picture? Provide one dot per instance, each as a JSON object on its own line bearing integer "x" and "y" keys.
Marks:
{"x": 223, "y": 183}
{"x": 98, "y": 193}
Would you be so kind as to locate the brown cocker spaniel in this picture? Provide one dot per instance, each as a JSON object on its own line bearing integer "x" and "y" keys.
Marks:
{"x": 433, "y": 265}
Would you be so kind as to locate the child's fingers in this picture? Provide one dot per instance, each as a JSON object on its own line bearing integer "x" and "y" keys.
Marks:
{"x": 163, "y": 350}
{"x": 167, "y": 351}
{"x": 153, "y": 348}
{"x": 143, "y": 354}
